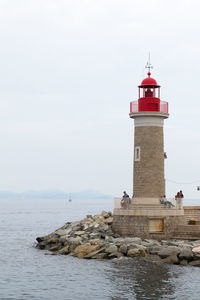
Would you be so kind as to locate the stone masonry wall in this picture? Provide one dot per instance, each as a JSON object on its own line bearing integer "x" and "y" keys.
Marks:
{"x": 192, "y": 212}
{"x": 173, "y": 227}
{"x": 149, "y": 171}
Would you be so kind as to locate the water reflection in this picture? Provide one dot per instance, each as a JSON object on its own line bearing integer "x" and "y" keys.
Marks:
{"x": 137, "y": 279}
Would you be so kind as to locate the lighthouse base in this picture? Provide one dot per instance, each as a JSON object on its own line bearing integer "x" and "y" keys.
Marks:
{"x": 151, "y": 221}
{"x": 153, "y": 227}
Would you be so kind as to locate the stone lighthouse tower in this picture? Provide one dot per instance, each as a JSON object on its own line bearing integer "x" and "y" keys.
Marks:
{"x": 146, "y": 216}
{"x": 148, "y": 113}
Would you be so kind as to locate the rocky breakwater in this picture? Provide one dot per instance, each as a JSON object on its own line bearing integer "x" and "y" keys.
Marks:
{"x": 93, "y": 237}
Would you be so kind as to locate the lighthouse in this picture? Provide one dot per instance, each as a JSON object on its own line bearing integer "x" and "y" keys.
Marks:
{"x": 146, "y": 216}
{"x": 149, "y": 113}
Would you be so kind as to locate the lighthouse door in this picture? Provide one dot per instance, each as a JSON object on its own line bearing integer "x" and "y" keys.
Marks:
{"x": 155, "y": 225}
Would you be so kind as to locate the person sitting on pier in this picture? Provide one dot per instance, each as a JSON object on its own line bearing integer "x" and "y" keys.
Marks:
{"x": 125, "y": 200}
{"x": 163, "y": 200}
{"x": 166, "y": 202}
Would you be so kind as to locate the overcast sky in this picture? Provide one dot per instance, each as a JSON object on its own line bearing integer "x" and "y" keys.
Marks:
{"x": 68, "y": 70}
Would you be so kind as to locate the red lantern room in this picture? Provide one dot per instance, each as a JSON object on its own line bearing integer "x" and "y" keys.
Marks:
{"x": 150, "y": 100}
{"x": 149, "y": 96}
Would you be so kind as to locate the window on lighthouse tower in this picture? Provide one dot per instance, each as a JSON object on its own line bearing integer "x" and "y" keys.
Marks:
{"x": 137, "y": 153}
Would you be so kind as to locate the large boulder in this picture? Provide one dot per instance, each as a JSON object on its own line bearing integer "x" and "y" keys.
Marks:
{"x": 63, "y": 232}
{"x": 63, "y": 239}
{"x": 118, "y": 241}
{"x": 136, "y": 252}
{"x": 132, "y": 240}
{"x": 115, "y": 255}
{"x": 87, "y": 227}
{"x": 177, "y": 243}
{"x": 76, "y": 228}
{"x": 83, "y": 250}
{"x": 102, "y": 255}
{"x": 94, "y": 253}
{"x": 42, "y": 245}
{"x": 99, "y": 242}
{"x": 75, "y": 240}
{"x": 172, "y": 259}
{"x": 155, "y": 249}
{"x": 108, "y": 239}
{"x": 196, "y": 252}
{"x": 100, "y": 220}
{"x": 44, "y": 238}
{"x": 195, "y": 263}
{"x": 196, "y": 249}
{"x": 171, "y": 243}
{"x": 95, "y": 235}
{"x": 105, "y": 214}
{"x": 85, "y": 238}
{"x": 109, "y": 220}
{"x": 40, "y": 239}
{"x": 168, "y": 251}
{"x": 109, "y": 233}
{"x": 155, "y": 242}
{"x": 53, "y": 240}
{"x": 136, "y": 246}
{"x": 55, "y": 247}
{"x": 64, "y": 250}
{"x": 123, "y": 249}
{"x": 103, "y": 228}
{"x": 79, "y": 233}
{"x": 186, "y": 244}
{"x": 94, "y": 226}
{"x": 186, "y": 253}
{"x": 195, "y": 243}
{"x": 111, "y": 249}
{"x": 150, "y": 243}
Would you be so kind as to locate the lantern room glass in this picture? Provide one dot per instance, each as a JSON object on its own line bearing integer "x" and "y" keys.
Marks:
{"x": 148, "y": 92}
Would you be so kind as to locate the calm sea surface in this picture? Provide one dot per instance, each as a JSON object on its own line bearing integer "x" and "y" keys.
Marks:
{"x": 26, "y": 273}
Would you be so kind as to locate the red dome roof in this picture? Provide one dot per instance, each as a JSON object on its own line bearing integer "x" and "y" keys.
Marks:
{"x": 149, "y": 81}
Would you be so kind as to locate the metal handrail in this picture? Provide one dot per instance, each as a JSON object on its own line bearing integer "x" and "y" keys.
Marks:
{"x": 134, "y": 107}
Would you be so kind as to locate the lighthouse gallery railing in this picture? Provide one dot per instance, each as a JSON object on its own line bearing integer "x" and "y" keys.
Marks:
{"x": 134, "y": 107}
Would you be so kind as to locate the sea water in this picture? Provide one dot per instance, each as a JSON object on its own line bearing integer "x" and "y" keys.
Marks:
{"x": 27, "y": 273}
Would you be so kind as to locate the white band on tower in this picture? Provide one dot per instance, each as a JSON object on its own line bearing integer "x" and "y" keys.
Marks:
{"x": 149, "y": 121}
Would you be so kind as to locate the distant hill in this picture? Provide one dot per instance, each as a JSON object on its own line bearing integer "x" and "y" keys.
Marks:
{"x": 90, "y": 194}
{"x": 54, "y": 194}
